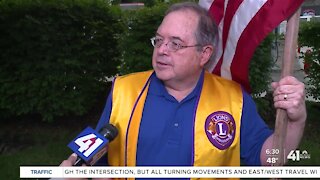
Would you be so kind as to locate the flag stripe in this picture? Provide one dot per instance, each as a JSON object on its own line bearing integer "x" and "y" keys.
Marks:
{"x": 217, "y": 10}
{"x": 254, "y": 33}
{"x": 241, "y": 18}
{"x": 242, "y": 25}
{"x": 229, "y": 17}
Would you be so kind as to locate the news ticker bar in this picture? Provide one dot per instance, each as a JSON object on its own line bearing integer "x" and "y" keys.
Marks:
{"x": 170, "y": 172}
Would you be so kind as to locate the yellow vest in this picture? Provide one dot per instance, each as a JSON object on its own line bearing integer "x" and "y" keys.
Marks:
{"x": 216, "y": 125}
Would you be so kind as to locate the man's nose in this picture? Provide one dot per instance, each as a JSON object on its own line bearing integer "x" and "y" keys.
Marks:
{"x": 163, "y": 48}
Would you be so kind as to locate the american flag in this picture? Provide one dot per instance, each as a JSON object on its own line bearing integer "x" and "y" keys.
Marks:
{"x": 242, "y": 25}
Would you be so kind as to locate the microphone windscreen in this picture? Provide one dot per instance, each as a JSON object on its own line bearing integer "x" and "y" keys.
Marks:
{"x": 109, "y": 131}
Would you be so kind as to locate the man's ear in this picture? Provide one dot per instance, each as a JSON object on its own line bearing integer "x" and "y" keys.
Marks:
{"x": 207, "y": 51}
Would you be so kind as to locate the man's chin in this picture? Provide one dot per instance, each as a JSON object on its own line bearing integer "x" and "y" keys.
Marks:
{"x": 163, "y": 75}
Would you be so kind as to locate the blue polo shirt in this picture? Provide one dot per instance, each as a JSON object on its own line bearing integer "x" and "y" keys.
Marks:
{"x": 165, "y": 136}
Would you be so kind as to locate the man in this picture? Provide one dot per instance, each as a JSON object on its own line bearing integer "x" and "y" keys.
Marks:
{"x": 181, "y": 115}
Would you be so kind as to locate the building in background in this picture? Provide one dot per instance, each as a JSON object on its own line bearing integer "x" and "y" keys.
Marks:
{"x": 310, "y": 9}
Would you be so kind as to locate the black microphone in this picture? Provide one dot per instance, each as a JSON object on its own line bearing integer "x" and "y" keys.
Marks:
{"x": 91, "y": 145}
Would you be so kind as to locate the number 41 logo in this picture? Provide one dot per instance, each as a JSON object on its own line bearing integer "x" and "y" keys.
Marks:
{"x": 294, "y": 155}
{"x": 88, "y": 143}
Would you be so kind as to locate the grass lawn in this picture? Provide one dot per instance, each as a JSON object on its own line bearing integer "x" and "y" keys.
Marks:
{"x": 32, "y": 142}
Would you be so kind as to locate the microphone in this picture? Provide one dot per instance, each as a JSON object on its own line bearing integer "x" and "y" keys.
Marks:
{"x": 91, "y": 145}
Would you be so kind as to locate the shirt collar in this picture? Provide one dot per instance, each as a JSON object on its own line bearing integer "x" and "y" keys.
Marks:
{"x": 157, "y": 87}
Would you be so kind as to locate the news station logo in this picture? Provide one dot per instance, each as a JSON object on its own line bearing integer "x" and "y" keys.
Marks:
{"x": 297, "y": 155}
{"x": 87, "y": 144}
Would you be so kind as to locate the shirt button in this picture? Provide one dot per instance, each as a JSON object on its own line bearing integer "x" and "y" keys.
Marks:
{"x": 176, "y": 124}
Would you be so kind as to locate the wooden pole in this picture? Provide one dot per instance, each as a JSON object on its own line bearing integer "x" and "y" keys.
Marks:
{"x": 289, "y": 57}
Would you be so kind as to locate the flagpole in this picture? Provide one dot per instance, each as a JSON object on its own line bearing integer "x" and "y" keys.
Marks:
{"x": 289, "y": 57}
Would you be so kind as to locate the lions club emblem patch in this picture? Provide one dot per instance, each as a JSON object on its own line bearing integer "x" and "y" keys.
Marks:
{"x": 220, "y": 128}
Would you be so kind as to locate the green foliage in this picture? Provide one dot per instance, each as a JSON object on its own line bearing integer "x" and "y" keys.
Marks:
{"x": 266, "y": 109}
{"x": 55, "y": 55}
{"x": 309, "y": 35}
{"x": 115, "y": 2}
{"x": 135, "y": 43}
{"x": 261, "y": 66}
{"x": 149, "y": 3}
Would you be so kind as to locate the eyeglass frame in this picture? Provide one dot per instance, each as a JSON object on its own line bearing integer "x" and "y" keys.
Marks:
{"x": 169, "y": 45}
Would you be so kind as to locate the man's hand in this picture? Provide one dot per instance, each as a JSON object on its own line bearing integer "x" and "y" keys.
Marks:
{"x": 71, "y": 160}
{"x": 289, "y": 94}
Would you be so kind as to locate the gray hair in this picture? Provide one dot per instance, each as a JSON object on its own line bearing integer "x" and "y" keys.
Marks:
{"x": 206, "y": 32}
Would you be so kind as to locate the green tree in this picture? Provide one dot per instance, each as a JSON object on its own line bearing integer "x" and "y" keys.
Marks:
{"x": 55, "y": 55}
{"x": 135, "y": 42}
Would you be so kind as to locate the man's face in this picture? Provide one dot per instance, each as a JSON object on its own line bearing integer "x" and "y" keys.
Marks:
{"x": 178, "y": 27}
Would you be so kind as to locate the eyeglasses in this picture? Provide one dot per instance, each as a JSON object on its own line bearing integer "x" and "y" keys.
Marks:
{"x": 171, "y": 45}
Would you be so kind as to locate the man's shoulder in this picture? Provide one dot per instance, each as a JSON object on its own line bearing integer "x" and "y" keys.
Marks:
{"x": 223, "y": 81}
{"x": 133, "y": 80}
